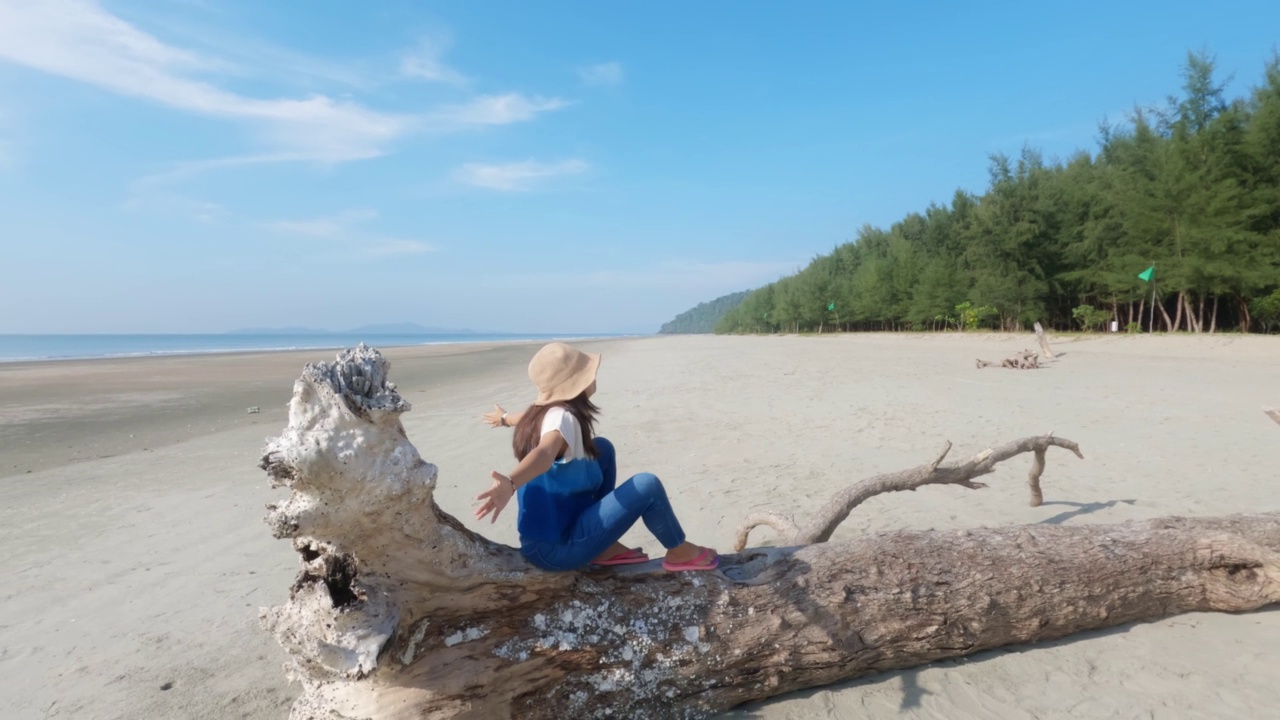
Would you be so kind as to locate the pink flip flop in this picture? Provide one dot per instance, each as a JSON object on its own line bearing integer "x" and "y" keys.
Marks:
{"x": 630, "y": 557}
{"x": 698, "y": 563}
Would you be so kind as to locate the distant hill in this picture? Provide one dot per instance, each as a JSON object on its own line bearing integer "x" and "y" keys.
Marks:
{"x": 406, "y": 329}
{"x": 703, "y": 318}
{"x": 291, "y": 330}
{"x": 378, "y": 329}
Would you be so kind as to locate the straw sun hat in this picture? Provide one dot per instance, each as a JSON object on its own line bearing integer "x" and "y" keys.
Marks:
{"x": 562, "y": 372}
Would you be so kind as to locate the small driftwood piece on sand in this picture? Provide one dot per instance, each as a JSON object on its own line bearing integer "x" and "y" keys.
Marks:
{"x": 1044, "y": 341}
{"x": 400, "y": 612}
{"x": 1273, "y": 413}
{"x": 1025, "y": 360}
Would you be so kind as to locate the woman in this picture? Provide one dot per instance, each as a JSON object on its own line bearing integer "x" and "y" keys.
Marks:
{"x": 570, "y": 513}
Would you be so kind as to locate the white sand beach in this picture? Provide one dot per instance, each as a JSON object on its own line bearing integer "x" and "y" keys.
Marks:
{"x": 135, "y": 558}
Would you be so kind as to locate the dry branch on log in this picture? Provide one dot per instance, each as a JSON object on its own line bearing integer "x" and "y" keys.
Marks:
{"x": 935, "y": 473}
{"x": 400, "y": 612}
{"x": 1025, "y": 360}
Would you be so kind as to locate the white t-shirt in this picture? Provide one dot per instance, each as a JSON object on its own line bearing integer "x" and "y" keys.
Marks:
{"x": 557, "y": 418}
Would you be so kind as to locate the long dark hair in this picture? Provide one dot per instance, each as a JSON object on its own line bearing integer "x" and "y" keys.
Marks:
{"x": 529, "y": 430}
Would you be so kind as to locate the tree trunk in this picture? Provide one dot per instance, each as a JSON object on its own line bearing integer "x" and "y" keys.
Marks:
{"x": 1213, "y": 316}
{"x": 1168, "y": 324}
{"x": 1177, "y": 322}
{"x": 1191, "y": 314}
{"x": 1246, "y": 322}
{"x": 401, "y": 612}
{"x": 1196, "y": 319}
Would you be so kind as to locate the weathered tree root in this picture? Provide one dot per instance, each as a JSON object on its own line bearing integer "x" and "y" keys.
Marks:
{"x": 934, "y": 473}
{"x": 1025, "y": 360}
{"x": 400, "y": 612}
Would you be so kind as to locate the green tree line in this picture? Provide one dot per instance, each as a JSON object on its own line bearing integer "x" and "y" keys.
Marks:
{"x": 1191, "y": 188}
{"x": 703, "y": 318}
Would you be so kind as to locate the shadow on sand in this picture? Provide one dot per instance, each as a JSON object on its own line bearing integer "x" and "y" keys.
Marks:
{"x": 1079, "y": 509}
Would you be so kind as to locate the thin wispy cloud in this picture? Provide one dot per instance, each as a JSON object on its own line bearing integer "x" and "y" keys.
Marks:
{"x": 192, "y": 168}
{"x": 387, "y": 248}
{"x": 511, "y": 177}
{"x": 77, "y": 39}
{"x": 493, "y": 110}
{"x": 7, "y": 152}
{"x": 1077, "y": 135}
{"x": 348, "y": 227}
{"x": 712, "y": 277}
{"x": 158, "y": 190}
{"x": 425, "y": 63}
{"x": 80, "y": 40}
{"x": 706, "y": 279}
{"x": 327, "y": 226}
{"x": 601, "y": 74}
{"x": 241, "y": 54}
{"x": 247, "y": 57}
{"x": 208, "y": 213}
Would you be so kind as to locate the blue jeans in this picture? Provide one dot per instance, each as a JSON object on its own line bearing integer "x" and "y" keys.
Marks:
{"x": 614, "y": 512}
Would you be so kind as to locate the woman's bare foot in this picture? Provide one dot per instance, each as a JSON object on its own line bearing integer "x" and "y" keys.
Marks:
{"x": 687, "y": 552}
{"x": 614, "y": 550}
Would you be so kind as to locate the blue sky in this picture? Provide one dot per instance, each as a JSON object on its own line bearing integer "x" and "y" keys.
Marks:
{"x": 200, "y": 165}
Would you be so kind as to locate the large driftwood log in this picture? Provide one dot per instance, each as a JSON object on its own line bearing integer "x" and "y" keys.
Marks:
{"x": 1025, "y": 360}
{"x": 1272, "y": 413}
{"x": 400, "y": 612}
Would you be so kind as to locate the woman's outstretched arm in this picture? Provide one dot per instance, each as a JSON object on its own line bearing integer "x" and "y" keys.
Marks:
{"x": 501, "y": 418}
{"x": 534, "y": 464}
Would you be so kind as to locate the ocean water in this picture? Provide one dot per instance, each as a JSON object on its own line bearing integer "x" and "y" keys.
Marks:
{"x": 18, "y": 348}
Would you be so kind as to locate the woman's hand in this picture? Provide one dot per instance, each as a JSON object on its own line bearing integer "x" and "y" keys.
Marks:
{"x": 494, "y": 419}
{"x": 496, "y": 497}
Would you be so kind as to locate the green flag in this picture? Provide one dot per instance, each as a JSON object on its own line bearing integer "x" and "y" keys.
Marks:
{"x": 832, "y": 306}
{"x": 1145, "y": 275}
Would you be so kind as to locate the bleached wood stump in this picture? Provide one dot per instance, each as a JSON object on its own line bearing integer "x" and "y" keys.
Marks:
{"x": 1044, "y": 341}
{"x": 401, "y": 612}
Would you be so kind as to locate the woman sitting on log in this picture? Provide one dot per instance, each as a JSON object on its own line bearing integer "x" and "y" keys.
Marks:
{"x": 570, "y": 513}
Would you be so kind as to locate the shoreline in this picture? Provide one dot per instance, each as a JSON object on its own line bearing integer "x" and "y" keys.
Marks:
{"x": 54, "y": 413}
{"x": 216, "y": 352}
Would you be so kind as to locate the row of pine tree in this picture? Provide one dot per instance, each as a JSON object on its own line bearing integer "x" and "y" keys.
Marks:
{"x": 1191, "y": 188}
